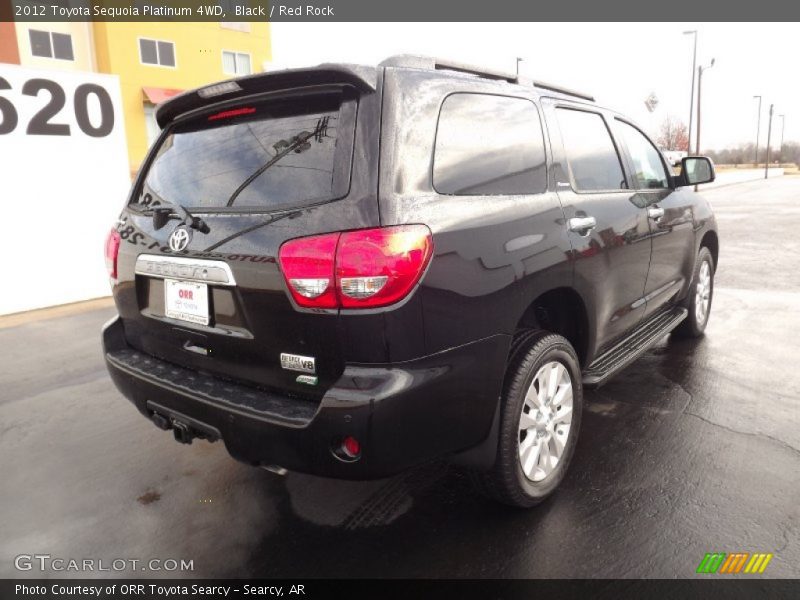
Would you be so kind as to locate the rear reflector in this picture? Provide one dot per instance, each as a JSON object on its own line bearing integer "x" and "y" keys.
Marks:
{"x": 112, "y": 251}
{"x": 367, "y": 268}
{"x": 351, "y": 447}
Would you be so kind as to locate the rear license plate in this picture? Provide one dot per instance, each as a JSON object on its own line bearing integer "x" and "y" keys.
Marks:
{"x": 186, "y": 301}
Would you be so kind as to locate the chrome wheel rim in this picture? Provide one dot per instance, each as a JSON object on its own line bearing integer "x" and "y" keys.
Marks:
{"x": 545, "y": 421}
{"x": 702, "y": 296}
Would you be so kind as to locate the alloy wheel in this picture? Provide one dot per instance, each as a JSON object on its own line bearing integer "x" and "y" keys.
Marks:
{"x": 702, "y": 298}
{"x": 545, "y": 421}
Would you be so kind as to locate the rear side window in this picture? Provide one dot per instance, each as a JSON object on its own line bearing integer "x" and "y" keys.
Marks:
{"x": 488, "y": 145}
{"x": 591, "y": 154}
{"x": 260, "y": 156}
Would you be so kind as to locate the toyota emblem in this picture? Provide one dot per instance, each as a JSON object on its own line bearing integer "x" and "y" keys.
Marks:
{"x": 179, "y": 239}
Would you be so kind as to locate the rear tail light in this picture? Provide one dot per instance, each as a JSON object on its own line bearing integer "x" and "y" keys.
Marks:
{"x": 112, "y": 251}
{"x": 308, "y": 266}
{"x": 377, "y": 267}
{"x": 366, "y": 268}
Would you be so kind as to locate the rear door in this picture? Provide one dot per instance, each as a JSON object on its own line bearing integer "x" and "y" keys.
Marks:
{"x": 258, "y": 172}
{"x": 607, "y": 222}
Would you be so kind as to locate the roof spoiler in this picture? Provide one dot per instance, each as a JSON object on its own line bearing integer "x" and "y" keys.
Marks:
{"x": 362, "y": 78}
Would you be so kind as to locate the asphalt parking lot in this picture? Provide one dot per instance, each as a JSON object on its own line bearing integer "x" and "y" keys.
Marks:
{"x": 693, "y": 449}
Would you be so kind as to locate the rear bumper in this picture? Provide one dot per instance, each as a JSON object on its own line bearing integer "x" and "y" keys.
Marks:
{"x": 402, "y": 414}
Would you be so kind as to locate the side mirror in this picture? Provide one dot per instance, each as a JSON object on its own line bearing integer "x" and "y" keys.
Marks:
{"x": 696, "y": 170}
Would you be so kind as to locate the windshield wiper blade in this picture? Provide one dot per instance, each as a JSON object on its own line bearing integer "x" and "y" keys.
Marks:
{"x": 300, "y": 143}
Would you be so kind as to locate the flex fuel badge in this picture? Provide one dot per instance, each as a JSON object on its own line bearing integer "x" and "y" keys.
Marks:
{"x": 307, "y": 379}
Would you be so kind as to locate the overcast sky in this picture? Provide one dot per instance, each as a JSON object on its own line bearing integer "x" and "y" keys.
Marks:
{"x": 621, "y": 64}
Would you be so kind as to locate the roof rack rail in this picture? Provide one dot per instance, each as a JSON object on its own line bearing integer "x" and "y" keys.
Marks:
{"x": 562, "y": 90}
{"x": 413, "y": 61}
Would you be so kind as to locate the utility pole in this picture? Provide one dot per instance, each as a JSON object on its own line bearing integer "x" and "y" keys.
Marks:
{"x": 691, "y": 96}
{"x": 758, "y": 127}
{"x": 769, "y": 134}
{"x": 699, "y": 92}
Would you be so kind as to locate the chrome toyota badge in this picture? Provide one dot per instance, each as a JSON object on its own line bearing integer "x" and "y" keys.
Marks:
{"x": 180, "y": 238}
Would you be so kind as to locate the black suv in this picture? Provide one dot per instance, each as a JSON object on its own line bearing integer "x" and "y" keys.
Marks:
{"x": 348, "y": 270}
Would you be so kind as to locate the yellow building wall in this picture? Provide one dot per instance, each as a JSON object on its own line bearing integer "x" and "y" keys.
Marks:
{"x": 82, "y": 48}
{"x": 198, "y": 58}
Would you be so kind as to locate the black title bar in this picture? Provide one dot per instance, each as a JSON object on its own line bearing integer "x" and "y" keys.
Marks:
{"x": 354, "y": 589}
{"x": 397, "y": 11}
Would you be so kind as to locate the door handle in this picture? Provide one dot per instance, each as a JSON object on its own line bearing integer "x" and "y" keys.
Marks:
{"x": 655, "y": 213}
{"x": 582, "y": 225}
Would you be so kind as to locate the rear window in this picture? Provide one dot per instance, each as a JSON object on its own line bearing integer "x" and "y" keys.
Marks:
{"x": 258, "y": 156}
{"x": 487, "y": 145}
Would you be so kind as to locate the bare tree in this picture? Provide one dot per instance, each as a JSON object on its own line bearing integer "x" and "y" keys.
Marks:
{"x": 673, "y": 134}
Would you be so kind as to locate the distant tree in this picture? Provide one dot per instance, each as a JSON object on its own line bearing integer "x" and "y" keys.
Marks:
{"x": 744, "y": 154}
{"x": 673, "y": 134}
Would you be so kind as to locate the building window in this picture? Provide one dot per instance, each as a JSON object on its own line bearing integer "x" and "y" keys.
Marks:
{"x": 235, "y": 63}
{"x": 49, "y": 44}
{"x": 157, "y": 52}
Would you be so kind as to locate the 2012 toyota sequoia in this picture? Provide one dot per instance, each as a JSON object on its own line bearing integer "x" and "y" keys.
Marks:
{"x": 348, "y": 270}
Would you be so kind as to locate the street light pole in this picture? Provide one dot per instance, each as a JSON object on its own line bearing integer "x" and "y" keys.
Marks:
{"x": 783, "y": 125}
{"x": 769, "y": 134}
{"x": 519, "y": 60}
{"x": 691, "y": 96}
{"x": 758, "y": 127}
{"x": 699, "y": 93}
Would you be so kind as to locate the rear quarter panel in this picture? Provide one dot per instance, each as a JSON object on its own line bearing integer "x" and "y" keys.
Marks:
{"x": 492, "y": 254}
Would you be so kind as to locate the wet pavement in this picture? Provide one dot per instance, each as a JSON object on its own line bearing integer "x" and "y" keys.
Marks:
{"x": 694, "y": 448}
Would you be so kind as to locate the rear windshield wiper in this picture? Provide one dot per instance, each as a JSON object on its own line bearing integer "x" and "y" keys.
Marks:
{"x": 298, "y": 144}
{"x": 165, "y": 210}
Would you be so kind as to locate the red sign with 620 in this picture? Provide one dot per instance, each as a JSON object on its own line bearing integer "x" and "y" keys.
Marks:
{"x": 45, "y": 120}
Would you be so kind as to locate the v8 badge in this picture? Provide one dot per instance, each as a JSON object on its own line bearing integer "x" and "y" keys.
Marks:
{"x": 295, "y": 362}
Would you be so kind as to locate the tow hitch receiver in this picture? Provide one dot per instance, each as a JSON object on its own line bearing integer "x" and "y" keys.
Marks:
{"x": 161, "y": 421}
{"x": 182, "y": 432}
{"x": 184, "y": 428}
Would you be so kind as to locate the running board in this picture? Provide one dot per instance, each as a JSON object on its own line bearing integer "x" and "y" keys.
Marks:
{"x": 633, "y": 346}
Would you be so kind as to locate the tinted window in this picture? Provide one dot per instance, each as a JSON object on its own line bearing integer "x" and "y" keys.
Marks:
{"x": 648, "y": 170}
{"x": 166, "y": 54}
{"x": 262, "y": 156}
{"x": 147, "y": 50}
{"x": 489, "y": 145}
{"x": 40, "y": 43}
{"x": 592, "y": 157}
{"x": 62, "y": 46}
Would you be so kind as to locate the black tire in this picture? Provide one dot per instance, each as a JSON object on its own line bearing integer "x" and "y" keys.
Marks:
{"x": 693, "y": 326}
{"x": 506, "y": 482}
